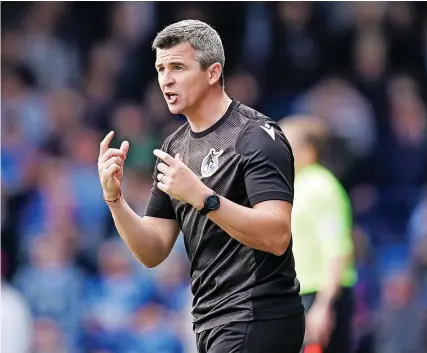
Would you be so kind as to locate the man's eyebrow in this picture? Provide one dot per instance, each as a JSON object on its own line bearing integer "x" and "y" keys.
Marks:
{"x": 176, "y": 62}
{"x": 171, "y": 63}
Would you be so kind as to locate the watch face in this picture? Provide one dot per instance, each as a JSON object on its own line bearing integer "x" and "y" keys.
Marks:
{"x": 212, "y": 202}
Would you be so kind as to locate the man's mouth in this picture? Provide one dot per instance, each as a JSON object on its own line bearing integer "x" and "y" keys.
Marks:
{"x": 171, "y": 97}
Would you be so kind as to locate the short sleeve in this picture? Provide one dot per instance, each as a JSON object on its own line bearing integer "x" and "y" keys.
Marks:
{"x": 267, "y": 163}
{"x": 159, "y": 203}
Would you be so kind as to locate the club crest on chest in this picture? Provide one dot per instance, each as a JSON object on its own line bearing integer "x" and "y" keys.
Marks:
{"x": 210, "y": 163}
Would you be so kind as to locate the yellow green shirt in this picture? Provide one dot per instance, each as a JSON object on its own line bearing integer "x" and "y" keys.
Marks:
{"x": 321, "y": 227}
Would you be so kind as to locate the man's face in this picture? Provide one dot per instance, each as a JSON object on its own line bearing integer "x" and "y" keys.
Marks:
{"x": 181, "y": 79}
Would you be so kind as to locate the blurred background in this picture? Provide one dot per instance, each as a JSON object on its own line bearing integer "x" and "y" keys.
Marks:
{"x": 72, "y": 71}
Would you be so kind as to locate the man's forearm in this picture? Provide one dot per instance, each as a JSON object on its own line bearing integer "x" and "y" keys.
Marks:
{"x": 141, "y": 237}
{"x": 255, "y": 228}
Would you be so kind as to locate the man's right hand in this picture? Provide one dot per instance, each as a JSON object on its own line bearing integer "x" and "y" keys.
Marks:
{"x": 110, "y": 167}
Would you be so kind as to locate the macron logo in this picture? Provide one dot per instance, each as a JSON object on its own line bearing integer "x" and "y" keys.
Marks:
{"x": 269, "y": 130}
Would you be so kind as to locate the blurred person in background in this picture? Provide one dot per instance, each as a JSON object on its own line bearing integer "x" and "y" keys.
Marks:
{"x": 417, "y": 238}
{"x": 400, "y": 159}
{"x": 243, "y": 278}
{"x": 323, "y": 246}
{"x": 88, "y": 211}
{"x": 363, "y": 18}
{"x": 173, "y": 279}
{"x": 22, "y": 104}
{"x": 138, "y": 186}
{"x": 98, "y": 83}
{"x": 401, "y": 154}
{"x": 349, "y": 118}
{"x": 49, "y": 337}
{"x": 243, "y": 86}
{"x": 45, "y": 207}
{"x": 112, "y": 297}
{"x": 151, "y": 332}
{"x": 54, "y": 61}
{"x": 296, "y": 43}
{"x": 132, "y": 25}
{"x": 365, "y": 292}
{"x": 402, "y": 317}
{"x": 130, "y": 123}
{"x": 53, "y": 285}
{"x": 174, "y": 288}
{"x": 369, "y": 59}
{"x": 64, "y": 112}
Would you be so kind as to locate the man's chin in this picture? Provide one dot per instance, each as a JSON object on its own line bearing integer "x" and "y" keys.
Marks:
{"x": 174, "y": 109}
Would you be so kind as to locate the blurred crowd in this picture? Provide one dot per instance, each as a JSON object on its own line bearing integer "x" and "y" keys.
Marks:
{"x": 72, "y": 71}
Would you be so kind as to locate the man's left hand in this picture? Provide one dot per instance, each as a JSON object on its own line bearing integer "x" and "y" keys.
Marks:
{"x": 178, "y": 181}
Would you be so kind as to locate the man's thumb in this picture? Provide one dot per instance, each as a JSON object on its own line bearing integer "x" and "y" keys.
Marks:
{"x": 125, "y": 147}
{"x": 178, "y": 157}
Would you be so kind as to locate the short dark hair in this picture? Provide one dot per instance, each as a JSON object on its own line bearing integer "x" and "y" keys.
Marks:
{"x": 203, "y": 38}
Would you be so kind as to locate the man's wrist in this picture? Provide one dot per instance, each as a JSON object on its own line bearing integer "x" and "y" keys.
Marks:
{"x": 113, "y": 199}
{"x": 200, "y": 197}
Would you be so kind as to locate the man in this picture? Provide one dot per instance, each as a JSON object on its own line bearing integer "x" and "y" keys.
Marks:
{"x": 323, "y": 247}
{"x": 225, "y": 178}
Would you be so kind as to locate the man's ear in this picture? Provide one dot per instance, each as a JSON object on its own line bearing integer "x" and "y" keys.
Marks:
{"x": 214, "y": 72}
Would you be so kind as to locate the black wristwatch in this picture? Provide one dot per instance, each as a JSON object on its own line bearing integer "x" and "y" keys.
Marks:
{"x": 211, "y": 204}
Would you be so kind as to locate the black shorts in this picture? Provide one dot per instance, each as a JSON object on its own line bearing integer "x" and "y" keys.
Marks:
{"x": 283, "y": 335}
{"x": 341, "y": 339}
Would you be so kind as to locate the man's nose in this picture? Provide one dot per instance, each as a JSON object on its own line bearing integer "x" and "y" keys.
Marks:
{"x": 168, "y": 79}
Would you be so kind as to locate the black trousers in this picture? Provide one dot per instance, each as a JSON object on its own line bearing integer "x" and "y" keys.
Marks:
{"x": 285, "y": 335}
{"x": 341, "y": 339}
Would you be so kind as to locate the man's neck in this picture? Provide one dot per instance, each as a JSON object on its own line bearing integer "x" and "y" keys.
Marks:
{"x": 209, "y": 111}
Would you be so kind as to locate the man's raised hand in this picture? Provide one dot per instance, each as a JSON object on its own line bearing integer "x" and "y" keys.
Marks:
{"x": 110, "y": 167}
{"x": 177, "y": 180}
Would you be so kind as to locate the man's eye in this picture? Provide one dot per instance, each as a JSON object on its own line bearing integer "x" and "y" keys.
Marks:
{"x": 161, "y": 69}
{"x": 178, "y": 68}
